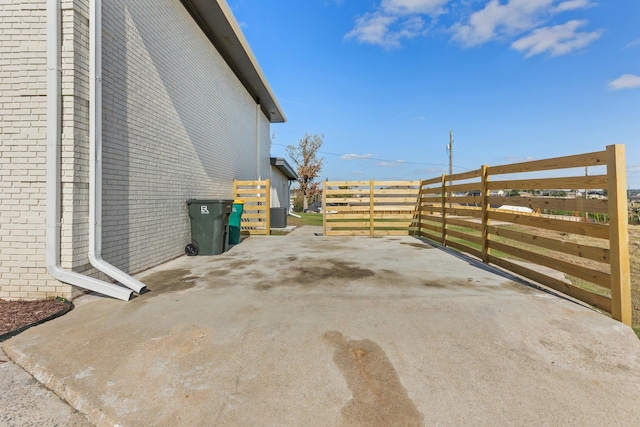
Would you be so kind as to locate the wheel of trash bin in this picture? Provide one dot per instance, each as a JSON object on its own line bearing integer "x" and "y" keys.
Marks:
{"x": 191, "y": 249}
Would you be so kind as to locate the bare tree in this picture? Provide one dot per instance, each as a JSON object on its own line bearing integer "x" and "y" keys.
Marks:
{"x": 305, "y": 157}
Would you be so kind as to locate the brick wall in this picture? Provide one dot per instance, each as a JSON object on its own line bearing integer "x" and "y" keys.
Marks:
{"x": 23, "y": 152}
{"x": 177, "y": 124}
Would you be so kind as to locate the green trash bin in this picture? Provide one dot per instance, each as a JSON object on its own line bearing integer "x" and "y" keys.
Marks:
{"x": 235, "y": 222}
{"x": 209, "y": 226}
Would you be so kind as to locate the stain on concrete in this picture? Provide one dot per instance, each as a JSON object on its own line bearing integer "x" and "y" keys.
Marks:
{"x": 452, "y": 283}
{"x": 238, "y": 265}
{"x": 378, "y": 397}
{"x": 216, "y": 273}
{"x": 166, "y": 281}
{"x": 434, "y": 284}
{"x": 518, "y": 287}
{"x": 418, "y": 245}
{"x": 318, "y": 271}
{"x": 263, "y": 286}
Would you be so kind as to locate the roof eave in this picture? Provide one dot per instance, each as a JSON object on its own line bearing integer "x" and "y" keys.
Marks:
{"x": 218, "y": 23}
{"x": 283, "y": 166}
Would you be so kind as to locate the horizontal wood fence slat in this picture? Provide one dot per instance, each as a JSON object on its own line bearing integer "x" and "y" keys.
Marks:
{"x": 550, "y": 203}
{"x": 588, "y": 182}
{"x": 591, "y": 298}
{"x": 383, "y": 207}
{"x": 464, "y": 175}
{"x": 470, "y": 217}
{"x": 581, "y": 272}
{"x": 256, "y": 213}
{"x": 582, "y": 251}
{"x": 465, "y": 223}
{"x": 474, "y": 186}
{"x": 465, "y": 236}
{"x": 592, "y": 230}
{"x": 431, "y": 181}
{"x": 566, "y": 162}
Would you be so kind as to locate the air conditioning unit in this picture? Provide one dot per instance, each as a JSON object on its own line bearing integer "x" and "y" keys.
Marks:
{"x": 278, "y": 218}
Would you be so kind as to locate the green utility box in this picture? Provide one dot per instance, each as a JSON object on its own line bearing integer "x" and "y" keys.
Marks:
{"x": 209, "y": 226}
{"x": 235, "y": 222}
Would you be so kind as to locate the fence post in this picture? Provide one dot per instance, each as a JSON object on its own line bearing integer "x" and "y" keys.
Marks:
{"x": 444, "y": 212}
{"x": 420, "y": 210}
{"x": 619, "y": 234}
{"x": 235, "y": 188}
{"x": 268, "y": 206}
{"x": 485, "y": 214}
{"x": 371, "y": 207}
{"x": 324, "y": 207}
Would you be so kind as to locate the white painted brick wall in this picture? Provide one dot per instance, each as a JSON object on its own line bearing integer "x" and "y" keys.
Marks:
{"x": 177, "y": 125}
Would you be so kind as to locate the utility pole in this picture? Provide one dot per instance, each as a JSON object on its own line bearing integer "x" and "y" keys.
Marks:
{"x": 450, "y": 150}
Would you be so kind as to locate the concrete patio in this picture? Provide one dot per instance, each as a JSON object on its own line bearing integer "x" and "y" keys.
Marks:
{"x": 317, "y": 331}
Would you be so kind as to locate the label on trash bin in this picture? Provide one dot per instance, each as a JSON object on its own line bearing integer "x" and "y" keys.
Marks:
{"x": 204, "y": 210}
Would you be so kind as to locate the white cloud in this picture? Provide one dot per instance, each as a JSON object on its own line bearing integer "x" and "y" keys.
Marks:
{"x": 408, "y": 7}
{"x": 572, "y": 5}
{"x": 556, "y": 40}
{"x": 378, "y": 28}
{"x": 625, "y": 81}
{"x": 516, "y": 17}
{"x": 353, "y": 156}
{"x": 633, "y": 43}
{"x": 393, "y": 21}
{"x": 390, "y": 164}
{"x": 498, "y": 19}
{"x": 513, "y": 159}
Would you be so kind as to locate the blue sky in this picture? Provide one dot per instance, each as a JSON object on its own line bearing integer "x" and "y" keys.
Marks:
{"x": 385, "y": 80}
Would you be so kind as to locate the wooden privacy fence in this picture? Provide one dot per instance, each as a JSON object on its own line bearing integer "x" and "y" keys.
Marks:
{"x": 255, "y": 217}
{"x": 471, "y": 212}
{"x": 370, "y": 208}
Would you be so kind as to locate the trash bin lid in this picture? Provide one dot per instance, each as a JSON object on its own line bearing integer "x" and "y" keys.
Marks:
{"x": 238, "y": 202}
{"x": 210, "y": 202}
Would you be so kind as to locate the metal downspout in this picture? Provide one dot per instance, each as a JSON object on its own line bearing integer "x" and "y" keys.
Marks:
{"x": 258, "y": 151}
{"x": 95, "y": 153}
{"x": 54, "y": 181}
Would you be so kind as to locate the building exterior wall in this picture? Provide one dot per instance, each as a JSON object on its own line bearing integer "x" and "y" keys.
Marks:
{"x": 23, "y": 152}
{"x": 177, "y": 124}
{"x": 279, "y": 189}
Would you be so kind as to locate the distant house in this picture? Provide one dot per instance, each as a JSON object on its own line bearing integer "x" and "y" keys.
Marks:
{"x": 282, "y": 175}
{"x": 97, "y": 161}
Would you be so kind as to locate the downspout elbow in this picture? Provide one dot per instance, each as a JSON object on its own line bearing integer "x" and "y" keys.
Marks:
{"x": 89, "y": 283}
{"x": 127, "y": 280}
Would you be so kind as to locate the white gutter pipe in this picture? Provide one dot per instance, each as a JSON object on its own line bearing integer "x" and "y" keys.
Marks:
{"x": 54, "y": 181}
{"x": 95, "y": 152}
{"x": 258, "y": 153}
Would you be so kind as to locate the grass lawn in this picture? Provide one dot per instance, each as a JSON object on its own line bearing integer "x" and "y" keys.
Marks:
{"x": 307, "y": 219}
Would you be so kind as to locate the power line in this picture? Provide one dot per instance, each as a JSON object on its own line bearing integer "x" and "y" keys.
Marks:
{"x": 402, "y": 162}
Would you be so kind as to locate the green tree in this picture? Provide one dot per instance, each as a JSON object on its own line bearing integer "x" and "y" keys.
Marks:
{"x": 305, "y": 157}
